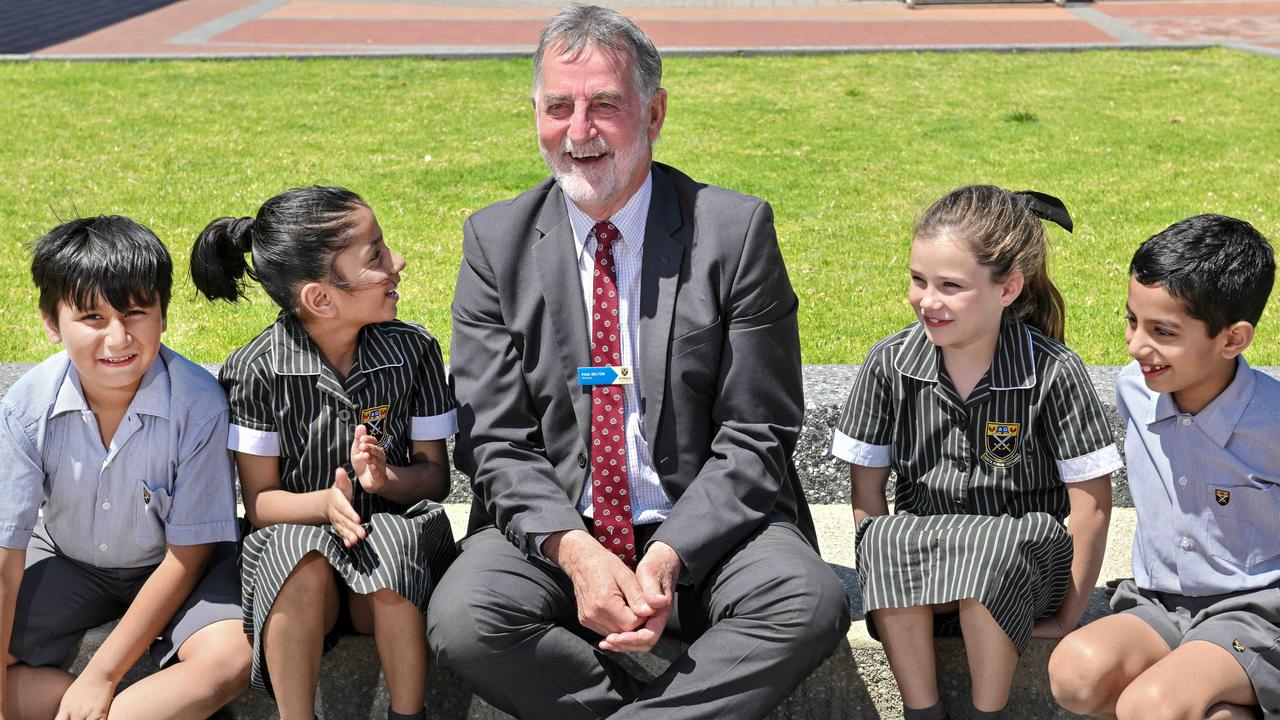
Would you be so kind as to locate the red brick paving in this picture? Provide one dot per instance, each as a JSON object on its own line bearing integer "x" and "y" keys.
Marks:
{"x": 310, "y": 27}
{"x": 1185, "y": 9}
{"x": 671, "y": 34}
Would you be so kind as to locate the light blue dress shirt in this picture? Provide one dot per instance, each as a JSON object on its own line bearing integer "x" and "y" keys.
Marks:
{"x": 1205, "y": 485}
{"x": 649, "y": 501}
{"x": 165, "y": 478}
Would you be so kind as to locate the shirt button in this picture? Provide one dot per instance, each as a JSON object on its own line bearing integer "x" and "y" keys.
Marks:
{"x": 106, "y": 504}
{"x": 1182, "y": 481}
{"x": 582, "y": 460}
{"x": 344, "y": 415}
{"x": 1186, "y": 421}
{"x": 103, "y": 547}
{"x": 1186, "y": 543}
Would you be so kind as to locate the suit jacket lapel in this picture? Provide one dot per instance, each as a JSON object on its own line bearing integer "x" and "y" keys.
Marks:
{"x": 664, "y": 249}
{"x": 562, "y": 290}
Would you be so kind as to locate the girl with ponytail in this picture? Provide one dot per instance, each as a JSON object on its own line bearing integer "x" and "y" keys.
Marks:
{"x": 339, "y": 415}
{"x": 996, "y": 436}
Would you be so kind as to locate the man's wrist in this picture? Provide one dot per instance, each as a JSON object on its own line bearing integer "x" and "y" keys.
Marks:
{"x": 561, "y": 547}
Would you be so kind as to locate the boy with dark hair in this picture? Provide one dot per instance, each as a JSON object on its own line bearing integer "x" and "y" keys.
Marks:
{"x": 1197, "y": 629}
{"x": 122, "y": 442}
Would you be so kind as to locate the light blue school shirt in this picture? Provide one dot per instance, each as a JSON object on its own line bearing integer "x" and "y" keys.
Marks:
{"x": 165, "y": 479}
{"x": 1205, "y": 485}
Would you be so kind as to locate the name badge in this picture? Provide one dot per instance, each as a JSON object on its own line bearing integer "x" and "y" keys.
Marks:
{"x": 606, "y": 375}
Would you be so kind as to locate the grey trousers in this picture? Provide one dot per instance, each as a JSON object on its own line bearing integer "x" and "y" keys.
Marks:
{"x": 761, "y": 622}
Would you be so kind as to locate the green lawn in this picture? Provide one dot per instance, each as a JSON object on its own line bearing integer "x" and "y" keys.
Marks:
{"x": 849, "y": 149}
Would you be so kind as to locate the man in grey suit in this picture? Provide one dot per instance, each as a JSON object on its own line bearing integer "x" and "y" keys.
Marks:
{"x": 628, "y": 374}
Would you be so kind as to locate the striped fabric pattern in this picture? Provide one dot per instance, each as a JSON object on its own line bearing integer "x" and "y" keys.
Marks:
{"x": 979, "y": 497}
{"x": 281, "y": 390}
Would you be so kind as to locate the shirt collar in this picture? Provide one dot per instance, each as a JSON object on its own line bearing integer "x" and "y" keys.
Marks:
{"x": 630, "y": 221}
{"x": 151, "y": 398}
{"x": 294, "y": 353}
{"x": 1012, "y": 368}
{"x": 1219, "y": 418}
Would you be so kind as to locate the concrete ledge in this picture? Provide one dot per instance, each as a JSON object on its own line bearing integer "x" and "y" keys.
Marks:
{"x": 854, "y": 682}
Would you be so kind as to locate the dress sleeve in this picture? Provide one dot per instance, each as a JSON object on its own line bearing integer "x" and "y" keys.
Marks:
{"x": 434, "y": 411}
{"x": 1076, "y": 427}
{"x": 864, "y": 432}
{"x": 252, "y": 422}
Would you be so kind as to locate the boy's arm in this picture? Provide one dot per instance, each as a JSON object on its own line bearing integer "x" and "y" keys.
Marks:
{"x": 1088, "y": 524}
{"x": 12, "y": 563}
{"x": 160, "y": 597}
{"x": 868, "y": 492}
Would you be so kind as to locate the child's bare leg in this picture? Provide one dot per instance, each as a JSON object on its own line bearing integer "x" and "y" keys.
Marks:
{"x": 33, "y": 693}
{"x": 1093, "y": 665}
{"x": 212, "y": 670}
{"x": 991, "y": 654}
{"x": 1223, "y": 711}
{"x": 907, "y": 636}
{"x": 1187, "y": 683}
{"x": 400, "y": 633}
{"x": 293, "y": 635}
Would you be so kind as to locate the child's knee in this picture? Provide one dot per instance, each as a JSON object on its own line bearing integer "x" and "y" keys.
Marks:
{"x": 1075, "y": 675}
{"x": 311, "y": 577}
{"x": 225, "y": 658}
{"x": 1147, "y": 699}
{"x": 390, "y": 599}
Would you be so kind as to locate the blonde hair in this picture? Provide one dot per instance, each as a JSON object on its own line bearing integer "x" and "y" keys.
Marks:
{"x": 1005, "y": 236}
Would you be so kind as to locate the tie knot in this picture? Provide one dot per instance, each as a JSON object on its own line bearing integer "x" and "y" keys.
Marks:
{"x": 606, "y": 233}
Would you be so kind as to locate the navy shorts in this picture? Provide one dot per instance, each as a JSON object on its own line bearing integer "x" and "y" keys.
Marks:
{"x": 1246, "y": 624}
{"x": 60, "y": 599}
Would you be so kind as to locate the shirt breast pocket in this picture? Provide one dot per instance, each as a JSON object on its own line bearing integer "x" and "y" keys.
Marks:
{"x": 154, "y": 504}
{"x": 1245, "y": 528}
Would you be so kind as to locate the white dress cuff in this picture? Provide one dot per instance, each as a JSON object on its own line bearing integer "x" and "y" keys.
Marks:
{"x": 1087, "y": 467}
{"x": 435, "y": 427}
{"x": 860, "y": 453}
{"x": 253, "y": 442}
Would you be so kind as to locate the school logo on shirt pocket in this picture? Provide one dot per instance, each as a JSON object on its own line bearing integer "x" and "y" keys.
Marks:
{"x": 1001, "y": 445}
{"x": 1222, "y": 496}
{"x": 374, "y": 420}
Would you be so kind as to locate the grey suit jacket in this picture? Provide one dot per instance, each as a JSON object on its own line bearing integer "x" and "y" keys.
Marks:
{"x": 719, "y": 373}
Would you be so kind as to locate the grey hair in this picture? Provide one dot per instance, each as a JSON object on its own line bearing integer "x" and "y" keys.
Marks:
{"x": 579, "y": 27}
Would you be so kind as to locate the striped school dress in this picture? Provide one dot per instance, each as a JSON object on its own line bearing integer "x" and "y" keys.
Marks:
{"x": 979, "y": 497}
{"x": 286, "y": 402}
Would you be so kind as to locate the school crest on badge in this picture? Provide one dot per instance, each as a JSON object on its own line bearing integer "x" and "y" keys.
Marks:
{"x": 374, "y": 420}
{"x": 1222, "y": 496}
{"x": 1001, "y": 445}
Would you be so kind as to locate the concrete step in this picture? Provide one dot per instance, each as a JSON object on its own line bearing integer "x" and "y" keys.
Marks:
{"x": 854, "y": 683}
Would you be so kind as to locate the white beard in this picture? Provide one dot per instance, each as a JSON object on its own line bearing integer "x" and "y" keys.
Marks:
{"x": 602, "y": 181}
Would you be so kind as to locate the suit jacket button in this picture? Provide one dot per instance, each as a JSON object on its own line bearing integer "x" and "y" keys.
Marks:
{"x": 582, "y": 460}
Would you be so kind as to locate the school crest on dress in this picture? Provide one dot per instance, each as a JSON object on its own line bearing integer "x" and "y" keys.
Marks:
{"x": 1222, "y": 496}
{"x": 374, "y": 420}
{"x": 1001, "y": 446}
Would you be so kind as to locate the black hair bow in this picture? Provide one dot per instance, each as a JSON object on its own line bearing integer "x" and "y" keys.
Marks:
{"x": 1046, "y": 207}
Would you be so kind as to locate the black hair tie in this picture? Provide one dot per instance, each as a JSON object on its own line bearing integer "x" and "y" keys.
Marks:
{"x": 1046, "y": 207}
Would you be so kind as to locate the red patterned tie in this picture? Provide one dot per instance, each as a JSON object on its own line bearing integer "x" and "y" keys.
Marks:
{"x": 610, "y": 506}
